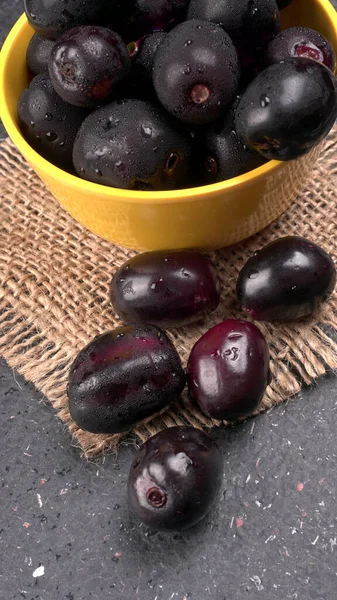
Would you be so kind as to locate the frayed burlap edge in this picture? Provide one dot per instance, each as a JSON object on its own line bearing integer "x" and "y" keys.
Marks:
{"x": 54, "y": 294}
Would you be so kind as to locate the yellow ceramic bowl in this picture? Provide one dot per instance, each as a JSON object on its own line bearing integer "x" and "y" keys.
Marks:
{"x": 205, "y": 217}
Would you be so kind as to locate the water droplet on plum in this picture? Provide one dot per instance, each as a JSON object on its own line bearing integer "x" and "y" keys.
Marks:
{"x": 264, "y": 101}
{"x": 146, "y": 131}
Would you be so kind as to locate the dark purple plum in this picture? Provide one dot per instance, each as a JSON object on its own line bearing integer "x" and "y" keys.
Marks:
{"x": 167, "y": 289}
{"x": 220, "y": 154}
{"x": 51, "y": 18}
{"x": 49, "y": 124}
{"x": 228, "y": 370}
{"x": 175, "y": 478}
{"x": 196, "y": 72}
{"x": 87, "y": 64}
{"x": 288, "y": 109}
{"x": 286, "y": 280}
{"x": 141, "y": 17}
{"x": 133, "y": 144}
{"x": 301, "y": 41}
{"x": 122, "y": 378}
{"x": 283, "y": 3}
{"x": 142, "y": 55}
{"x": 38, "y": 54}
{"x": 251, "y": 24}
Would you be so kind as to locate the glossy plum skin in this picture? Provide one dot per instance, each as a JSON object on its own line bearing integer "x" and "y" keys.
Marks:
{"x": 141, "y": 17}
{"x": 122, "y": 378}
{"x": 133, "y": 144}
{"x": 38, "y": 54}
{"x": 283, "y": 4}
{"x": 286, "y": 280}
{"x": 251, "y": 24}
{"x": 220, "y": 154}
{"x": 167, "y": 289}
{"x": 175, "y": 478}
{"x": 288, "y": 109}
{"x": 228, "y": 370}
{"x": 49, "y": 124}
{"x": 87, "y": 64}
{"x": 51, "y": 18}
{"x": 301, "y": 41}
{"x": 142, "y": 55}
{"x": 195, "y": 80}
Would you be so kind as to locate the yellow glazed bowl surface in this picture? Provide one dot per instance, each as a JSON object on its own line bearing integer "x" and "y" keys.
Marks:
{"x": 213, "y": 216}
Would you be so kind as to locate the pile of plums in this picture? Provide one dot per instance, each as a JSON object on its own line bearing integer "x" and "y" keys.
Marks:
{"x": 126, "y": 376}
{"x": 172, "y": 94}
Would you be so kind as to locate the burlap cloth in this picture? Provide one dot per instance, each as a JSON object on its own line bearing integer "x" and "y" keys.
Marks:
{"x": 54, "y": 293}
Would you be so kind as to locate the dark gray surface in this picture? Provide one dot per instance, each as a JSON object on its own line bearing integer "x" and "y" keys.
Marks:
{"x": 10, "y": 10}
{"x": 272, "y": 535}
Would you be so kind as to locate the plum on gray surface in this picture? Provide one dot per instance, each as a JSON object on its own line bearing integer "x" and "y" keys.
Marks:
{"x": 251, "y": 24}
{"x": 49, "y": 124}
{"x": 288, "y": 109}
{"x": 196, "y": 72}
{"x": 228, "y": 370}
{"x": 51, "y": 18}
{"x": 135, "y": 145}
{"x": 220, "y": 154}
{"x": 301, "y": 41}
{"x": 123, "y": 377}
{"x": 167, "y": 289}
{"x": 175, "y": 478}
{"x": 286, "y": 280}
{"x": 38, "y": 54}
{"x": 87, "y": 64}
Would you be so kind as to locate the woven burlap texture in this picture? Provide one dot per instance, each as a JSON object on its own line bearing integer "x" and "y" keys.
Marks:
{"x": 55, "y": 278}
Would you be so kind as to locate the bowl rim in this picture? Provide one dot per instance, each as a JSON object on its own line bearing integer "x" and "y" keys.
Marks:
{"x": 55, "y": 173}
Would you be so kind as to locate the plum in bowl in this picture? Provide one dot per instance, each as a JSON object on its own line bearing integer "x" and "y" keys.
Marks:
{"x": 209, "y": 216}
